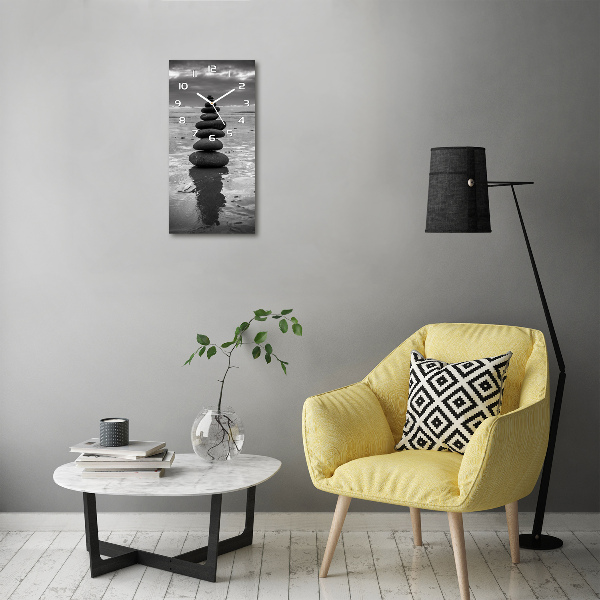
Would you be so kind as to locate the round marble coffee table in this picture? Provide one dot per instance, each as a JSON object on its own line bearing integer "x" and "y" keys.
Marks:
{"x": 189, "y": 476}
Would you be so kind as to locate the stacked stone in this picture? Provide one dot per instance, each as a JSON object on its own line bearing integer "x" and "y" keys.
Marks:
{"x": 209, "y": 125}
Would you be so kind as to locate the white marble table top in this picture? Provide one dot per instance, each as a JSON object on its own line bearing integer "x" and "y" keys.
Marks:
{"x": 189, "y": 476}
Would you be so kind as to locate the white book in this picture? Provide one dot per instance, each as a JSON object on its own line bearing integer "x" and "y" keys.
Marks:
{"x": 106, "y": 458}
{"x": 135, "y": 448}
{"x": 140, "y": 474}
{"x": 105, "y": 463}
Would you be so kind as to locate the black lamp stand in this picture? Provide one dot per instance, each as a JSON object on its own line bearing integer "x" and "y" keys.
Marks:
{"x": 536, "y": 540}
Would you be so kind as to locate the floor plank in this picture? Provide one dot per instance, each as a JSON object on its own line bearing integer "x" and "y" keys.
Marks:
{"x": 155, "y": 582}
{"x": 335, "y": 586}
{"x": 245, "y": 574}
{"x": 70, "y": 575}
{"x": 566, "y": 575}
{"x": 11, "y": 543}
{"x": 581, "y": 558}
{"x": 43, "y": 572}
{"x": 23, "y": 561}
{"x": 441, "y": 556}
{"x": 591, "y": 540}
{"x": 535, "y": 572}
{"x": 275, "y": 570}
{"x": 125, "y": 582}
{"x": 393, "y": 584}
{"x": 181, "y": 586}
{"x": 304, "y": 572}
{"x": 361, "y": 568}
{"x": 508, "y": 576}
{"x": 94, "y": 588}
{"x": 220, "y": 589}
{"x": 421, "y": 578}
{"x": 482, "y": 582}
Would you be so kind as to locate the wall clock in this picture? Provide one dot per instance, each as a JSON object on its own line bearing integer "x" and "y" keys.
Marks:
{"x": 212, "y": 129}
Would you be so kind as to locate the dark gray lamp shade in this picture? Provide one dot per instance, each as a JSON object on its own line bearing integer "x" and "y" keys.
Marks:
{"x": 458, "y": 192}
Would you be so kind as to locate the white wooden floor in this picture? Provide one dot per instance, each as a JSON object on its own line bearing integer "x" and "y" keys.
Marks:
{"x": 367, "y": 565}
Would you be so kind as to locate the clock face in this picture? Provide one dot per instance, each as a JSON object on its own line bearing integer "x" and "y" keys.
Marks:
{"x": 212, "y": 131}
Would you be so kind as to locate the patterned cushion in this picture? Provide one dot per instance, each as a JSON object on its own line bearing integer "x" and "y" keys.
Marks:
{"x": 448, "y": 401}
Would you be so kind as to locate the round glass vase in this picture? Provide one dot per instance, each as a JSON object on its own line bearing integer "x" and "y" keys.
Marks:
{"x": 217, "y": 434}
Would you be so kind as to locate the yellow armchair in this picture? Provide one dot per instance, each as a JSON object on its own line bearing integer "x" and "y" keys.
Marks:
{"x": 349, "y": 436}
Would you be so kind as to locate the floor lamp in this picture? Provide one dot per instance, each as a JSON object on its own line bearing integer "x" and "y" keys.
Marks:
{"x": 458, "y": 203}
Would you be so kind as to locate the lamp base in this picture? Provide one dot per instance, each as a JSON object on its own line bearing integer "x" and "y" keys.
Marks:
{"x": 541, "y": 542}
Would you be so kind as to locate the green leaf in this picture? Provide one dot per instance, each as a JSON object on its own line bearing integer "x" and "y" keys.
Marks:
{"x": 287, "y": 311}
{"x": 294, "y": 320}
{"x": 283, "y": 366}
{"x": 268, "y": 348}
{"x": 237, "y": 331}
{"x": 275, "y": 316}
{"x": 260, "y": 313}
{"x": 260, "y": 337}
{"x": 283, "y": 326}
{"x": 201, "y": 351}
{"x": 256, "y": 351}
{"x": 189, "y": 360}
{"x": 211, "y": 351}
{"x": 226, "y": 344}
{"x": 260, "y": 318}
{"x": 297, "y": 328}
{"x": 244, "y": 326}
{"x": 268, "y": 358}
{"x": 202, "y": 339}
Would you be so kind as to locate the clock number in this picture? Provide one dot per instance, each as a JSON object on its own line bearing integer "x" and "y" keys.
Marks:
{"x": 211, "y": 138}
{"x": 242, "y": 85}
{"x": 241, "y": 120}
{"x": 229, "y": 74}
{"x": 182, "y": 119}
{"x": 183, "y": 86}
{"x": 177, "y": 102}
{"x": 229, "y": 132}
{"x": 194, "y": 73}
{"x": 247, "y": 102}
{"x": 212, "y": 68}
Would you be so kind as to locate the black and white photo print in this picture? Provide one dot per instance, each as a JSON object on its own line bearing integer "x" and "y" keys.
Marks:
{"x": 212, "y": 130}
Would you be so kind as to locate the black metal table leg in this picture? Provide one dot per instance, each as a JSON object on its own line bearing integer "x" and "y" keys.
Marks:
{"x": 121, "y": 556}
{"x": 183, "y": 564}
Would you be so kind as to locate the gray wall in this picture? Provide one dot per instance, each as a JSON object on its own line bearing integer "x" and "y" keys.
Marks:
{"x": 100, "y": 306}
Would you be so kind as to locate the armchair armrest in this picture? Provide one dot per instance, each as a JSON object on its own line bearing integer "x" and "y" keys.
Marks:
{"x": 343, "y": 425}
{"x": 502, "y": 461}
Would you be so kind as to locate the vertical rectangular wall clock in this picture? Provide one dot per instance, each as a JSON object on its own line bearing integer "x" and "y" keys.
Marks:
{"x": 212, "y": 129}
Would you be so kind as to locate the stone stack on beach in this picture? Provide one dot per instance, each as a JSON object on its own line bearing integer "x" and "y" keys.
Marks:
{"x": 210, "y": 127}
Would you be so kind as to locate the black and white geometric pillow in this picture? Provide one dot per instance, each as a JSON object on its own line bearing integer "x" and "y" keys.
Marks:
{"x": 448, "y": 401}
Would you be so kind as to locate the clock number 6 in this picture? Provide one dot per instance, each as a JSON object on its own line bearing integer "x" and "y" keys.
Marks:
{"x": 211, "y": 138}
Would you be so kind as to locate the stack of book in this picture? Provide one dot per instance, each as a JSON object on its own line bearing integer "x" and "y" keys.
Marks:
{"x": 147, "y": 460}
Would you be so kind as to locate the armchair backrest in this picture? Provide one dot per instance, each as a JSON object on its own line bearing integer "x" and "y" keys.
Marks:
{"x": 456, "y": 342}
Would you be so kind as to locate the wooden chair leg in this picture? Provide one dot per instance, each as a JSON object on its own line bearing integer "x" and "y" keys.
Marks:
{"x": 341, "y": 509}
{"x": 512, "y": 519}
{"x": 460, "y": 553}
{"x": 415, "y": 517}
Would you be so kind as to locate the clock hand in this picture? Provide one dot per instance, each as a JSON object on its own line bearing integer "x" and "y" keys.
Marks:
{"x": 203, "y": 98}
{"x": 223, "y": 96}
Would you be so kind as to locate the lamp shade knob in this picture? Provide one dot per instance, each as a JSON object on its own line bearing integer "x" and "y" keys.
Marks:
{"x": 471, "y": 182}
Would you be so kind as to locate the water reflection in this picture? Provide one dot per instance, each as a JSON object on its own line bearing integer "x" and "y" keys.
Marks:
{"x": 209, "y": 197}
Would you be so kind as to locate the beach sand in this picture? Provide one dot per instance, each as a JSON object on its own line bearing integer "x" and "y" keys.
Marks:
{"x": 212, "y": 200}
